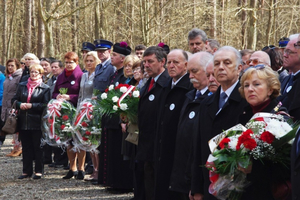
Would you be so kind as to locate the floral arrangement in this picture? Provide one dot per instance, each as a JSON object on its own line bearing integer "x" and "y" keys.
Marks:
{"x": 87, "y": 126}
{"x": 58, "y": 122}
{"x": 122, "y": 99}
{"x": 265, "y": 137}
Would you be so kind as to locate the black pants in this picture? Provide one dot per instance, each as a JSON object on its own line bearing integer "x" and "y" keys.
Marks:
{"x": 31, "y": 149}
{"x": 149, "y": 180}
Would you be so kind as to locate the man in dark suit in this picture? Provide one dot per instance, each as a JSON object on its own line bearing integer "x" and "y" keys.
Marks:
{"x": 219, "y": 112}
{"x": 292, "y": 61}
{"x": 187, "y": 124}
{"x": 154, "y": 60}
{"x": 290, "y": 88}
{"x": 169, "y": 111}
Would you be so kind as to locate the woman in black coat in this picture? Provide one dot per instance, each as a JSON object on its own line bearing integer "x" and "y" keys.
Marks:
{"x": 32, "y": 97}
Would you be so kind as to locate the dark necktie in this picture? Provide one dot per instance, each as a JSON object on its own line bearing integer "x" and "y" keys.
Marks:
{"x": 151, "y": 84}
{"x": 114, "y": 76}
{"x": 198, "y": 94}
{"x": 223, "y": 97}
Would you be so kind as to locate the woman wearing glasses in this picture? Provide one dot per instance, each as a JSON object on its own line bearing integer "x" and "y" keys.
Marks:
{"x": 260, "y": 86}
{"x": 31, "y": 99}
{"x": 70, "y": 78}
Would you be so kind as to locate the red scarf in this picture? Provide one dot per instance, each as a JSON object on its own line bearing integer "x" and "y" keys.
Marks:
{"x": 260, "y": 107}
{"x": 68, "y": 72}
{"x": 31, "y": 85}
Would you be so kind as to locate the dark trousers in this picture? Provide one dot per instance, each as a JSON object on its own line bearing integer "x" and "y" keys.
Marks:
{"x": 31, "y": 149}
{"x": 138, "y": 181}
{"x": 149, "y": 180}
{"x": 177, "y": 195}
{"x": 47, "y": 153}
{"x": 60, "y": 156}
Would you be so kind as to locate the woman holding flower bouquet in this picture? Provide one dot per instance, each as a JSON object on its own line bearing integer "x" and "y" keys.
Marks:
{"x": 32, "y": 97}
{"x": 67, "y": 88}
{"x": 260, "y": 86}
{"x": 91, "y": 60}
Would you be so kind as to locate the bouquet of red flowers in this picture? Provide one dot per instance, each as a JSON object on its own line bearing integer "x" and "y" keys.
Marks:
{"x": 87, "y": 126}
{"x": 58, "y": 122}
{"x": 266, "y": 137}
{"x": 122, "y": 99}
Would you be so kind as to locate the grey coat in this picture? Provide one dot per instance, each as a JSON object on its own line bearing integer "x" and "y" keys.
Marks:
{"x": 86, "y": 87}
{"x": 10, "y": 86}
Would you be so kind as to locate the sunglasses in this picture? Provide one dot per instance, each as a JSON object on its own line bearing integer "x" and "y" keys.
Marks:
{"x": 254, "y": 61}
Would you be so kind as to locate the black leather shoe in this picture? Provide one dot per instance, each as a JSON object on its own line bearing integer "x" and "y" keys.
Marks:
{"x": 36, "y": 177}
{"x": 24, "y": 176}
{"x": 51, "y": 165}
{"x": 70, "y": 174}
{"x": 80, "y": 175}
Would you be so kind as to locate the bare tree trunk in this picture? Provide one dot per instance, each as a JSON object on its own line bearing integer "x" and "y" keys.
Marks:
{"x": 11, "y": 31}
{"x": 243, "y": 4}
{"x": 74, "y": 27}
{"x": 215, "y": 19}
{"x": 97, "y": 19}
{"x": 270, "y": 22}
{"x": 27, "y": 27}
{"x": 4, "y": 30}
{"x": 252, "y": 37}
{"x": 33, "y": 28}
{"x": 41, "y": 35}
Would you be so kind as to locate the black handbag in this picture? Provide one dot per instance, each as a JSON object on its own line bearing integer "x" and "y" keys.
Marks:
{"x": 10, "y": 125}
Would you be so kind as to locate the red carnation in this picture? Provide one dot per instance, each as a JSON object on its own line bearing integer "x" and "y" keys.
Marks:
{"x": 62, "y": 127}
{"x": 84, "y": 124}
{"x": 224, "y": 143}
{"x": 123, "y": 44}
{"x": 106, "y": 90}
{"x": 243, "y": 138}
{"x": 267, "y": 137}
{"x": 84, "y": 138}
{"x": 88, "y": 133}
{"x": 121, "y": 85}
{"x": 65, "y": 117}
{"x": 250, "y": 144}
{"x": 161, "y": 44}
{"x": 50, "y": 121}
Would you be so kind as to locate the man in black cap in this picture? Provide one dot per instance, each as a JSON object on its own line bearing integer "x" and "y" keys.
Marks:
{"x": 114, "y": 171}
{"x": 87, "y": 47}
{"x": 105, "y": 70}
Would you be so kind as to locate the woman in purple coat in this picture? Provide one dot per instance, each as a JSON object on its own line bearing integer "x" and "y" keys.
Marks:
{"x": 70, "y": 78}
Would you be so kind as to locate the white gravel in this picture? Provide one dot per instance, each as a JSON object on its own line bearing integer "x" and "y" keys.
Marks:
{"x": 51, "y": 186}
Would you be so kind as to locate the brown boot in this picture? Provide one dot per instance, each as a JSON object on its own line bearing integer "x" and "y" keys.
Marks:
{"x": 17, "y": 153}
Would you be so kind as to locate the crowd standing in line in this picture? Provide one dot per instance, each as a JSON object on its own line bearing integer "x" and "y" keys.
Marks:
{"x": 186, "y": 98}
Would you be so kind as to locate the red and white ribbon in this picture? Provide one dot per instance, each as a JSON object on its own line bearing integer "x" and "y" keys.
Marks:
{"x": 54, "y": 109}
{"x": 85, "y": 110}
{"x": 129, "y": 89}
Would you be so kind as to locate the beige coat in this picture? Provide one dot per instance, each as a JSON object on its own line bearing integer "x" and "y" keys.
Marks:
{"x": 9, "y": 89}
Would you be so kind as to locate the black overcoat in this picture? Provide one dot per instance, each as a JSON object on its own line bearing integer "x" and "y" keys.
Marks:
{"x": 164, "y": 147}
{"x": 295, "y": 169}
{"x": 186, "y": 131}
{"x": 147, "y": 116}
{"x": 210, "y": 125}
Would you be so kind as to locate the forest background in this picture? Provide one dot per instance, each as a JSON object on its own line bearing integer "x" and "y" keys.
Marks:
{"x": 50, "y": 28}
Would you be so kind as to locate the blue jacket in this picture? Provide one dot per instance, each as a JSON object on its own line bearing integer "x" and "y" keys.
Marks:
{"x": 2, "y": 78}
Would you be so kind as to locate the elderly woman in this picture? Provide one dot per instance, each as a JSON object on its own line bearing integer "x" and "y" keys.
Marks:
{"x": 260, "y": 86}
{"x": 128, "y": 73}
{"x": 13, "y": 74}
{"x": 70, "y": 78}
{"x": 90, "y": 60}
{"x": 30, "y": 59}
{"x": 31, "y": 99}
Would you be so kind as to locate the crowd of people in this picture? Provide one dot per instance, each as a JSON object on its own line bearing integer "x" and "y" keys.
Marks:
{"x": 186, "y": 98}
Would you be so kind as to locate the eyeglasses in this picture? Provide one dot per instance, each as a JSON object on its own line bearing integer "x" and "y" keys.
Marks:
{"x": 22, "y": 63}
{"x": 254, "y": 61}
{"x": 69, "y": 63}
{"x": 289, "y": 52}
{"x": 34, "y": 72}
{"x": 297, "y": 45}
{"x": 136, "y": 69}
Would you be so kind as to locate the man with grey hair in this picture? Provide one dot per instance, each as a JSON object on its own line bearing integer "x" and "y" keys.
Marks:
{"x": 169, "y": 112}
{"x": 259, "y": 57}
{"x": 212, "y": 46}
{"x": 219, "y": 112}
{"x": 197, "y": 40}
{"x": 187, "y": 126}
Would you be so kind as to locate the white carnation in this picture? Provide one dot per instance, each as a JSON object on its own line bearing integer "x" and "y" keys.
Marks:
{"x": 123, "y": 106}
{"x": 115, "y": 108}
{"x": 233, "y": 142}
{"x": 115, "y": 99}
{"x": 136, "y": 93}
{"x": 103, "y": 96}
{"x": 111, "y": 87}
{"x": 123, "y": 89}
{"x": 278, "y": 129}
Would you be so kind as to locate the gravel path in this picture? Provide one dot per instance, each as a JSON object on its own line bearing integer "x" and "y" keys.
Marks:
{"x": 51, "y": 186}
